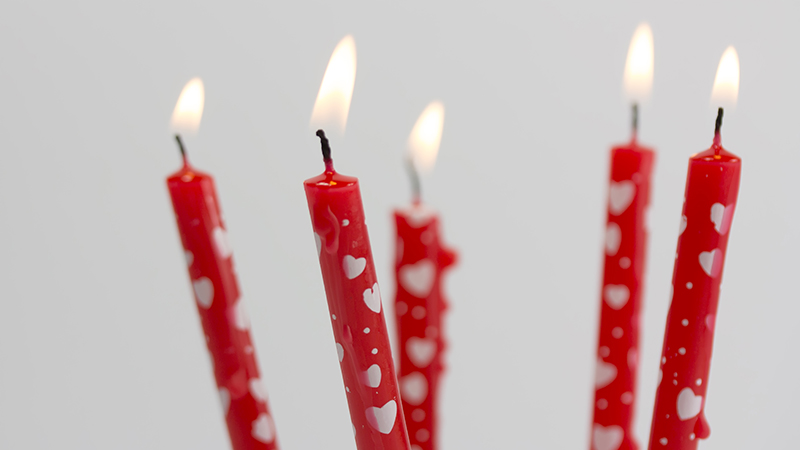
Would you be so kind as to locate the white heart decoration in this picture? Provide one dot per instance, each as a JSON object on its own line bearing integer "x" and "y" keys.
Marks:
{"x": 607, "y": 438}
{"x": 418, "y": 278}
{"x": 414, "y": 388}
{"x": 711, "y": 262}
{"x": 203, "y": 291}
{"x": 604, "y": 374}
{"x": 257, "y": 389}
{"x": 722, "y": 215}
{"x": 613, "y": 238}
{"x": 682, "y": 226}
{"x": 263, "y": 429}
{"x": 340, "y": 351}
{"x": 689, "y": 405}
{"x": 221, "y": 243}
{"x": 240, "y": 318}
{"x": 318, "y": 243}
{"x": 620, "y": 196}
{"x": 372, "y": 376}
{"x": 225, "y": 399}
{"x": 189, "y": 257}
{"x": 420, "y": 351}
{"x": 616, "y": 295}
{"x": 383, "y": 418}
{"x": 372, "y": 298}
{"x": 353, "y": 267}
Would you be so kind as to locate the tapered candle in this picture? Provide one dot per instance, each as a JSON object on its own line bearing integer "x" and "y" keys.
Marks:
{"x": 209, "y": 259}
{"x": 624, "y": 268}
{"x": 421, "y": 260}
{"x": 712, "y": 187}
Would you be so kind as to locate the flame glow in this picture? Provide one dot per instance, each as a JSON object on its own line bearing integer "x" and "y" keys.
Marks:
{"x": 726, "y": 83}
{"x": 638, "y": 79}
{"x": 336, "y": 91}
{"x": 425, "y": 137}
{"x": 189, "y": 109}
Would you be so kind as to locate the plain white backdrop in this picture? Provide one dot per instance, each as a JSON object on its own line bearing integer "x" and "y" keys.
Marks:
{"x": 100, "y": 343}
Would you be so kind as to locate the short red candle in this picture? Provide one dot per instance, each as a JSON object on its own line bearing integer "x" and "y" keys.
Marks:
{"x": 621, "y": 297}
{"x": 354, "y": 302}
{"x": 712, "y": 186}
{"x": 225, "y": 323}
{"x": 420, "y": 262}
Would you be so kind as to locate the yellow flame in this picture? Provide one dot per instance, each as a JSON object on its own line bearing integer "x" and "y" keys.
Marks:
{"x": 638, "y": 79}
{"x": 726, "y": 83}
{"x": 189, "y": 109}
{"x": 336, "y": 91}
{"x": 425, "y": 137}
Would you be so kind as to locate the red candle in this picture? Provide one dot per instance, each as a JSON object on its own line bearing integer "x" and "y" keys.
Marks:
{"x": 420, "y": 262}
{"x": 218, "y": 300}
{"x": 623, "y": 274}
{"x": 712, "y": 186}
{"x": 354, "y": 302}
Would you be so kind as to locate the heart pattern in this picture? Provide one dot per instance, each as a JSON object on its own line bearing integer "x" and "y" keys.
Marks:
{"x": 372, "y": 298}
{"x": 263, "y": 429}
{"x": 420, "y": 351}
{"x": 613, "y": 238}
{"x": 722, "y": 216}
{"x": 604, "y": 374}
{"x": 383, "y": 418}
{"x": 239, "y": 315}
{"x": 607, "y": 438}
{"x": 353, "y": 267}
{"x": 414, "y": 388}
{"x": 418, "y": 278}
{"x": 257, "y": 389}
{"x": 620, "y": 196}
{"x": 372, "y": 376}
{"x": 225, "y": 399}
{"x": 682, "y": 226}
{"x": 616, "y": 295}
{"x": 203, "y": 291}
{"x": 221, "y": 243}
{"x": 689, "y": 405}
{"x": 340, "y": 351}
{"x": 711, "y": 262}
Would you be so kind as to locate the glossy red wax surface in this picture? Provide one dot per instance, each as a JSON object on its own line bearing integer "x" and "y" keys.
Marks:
{"x": 712, "y": 187}
{"x": 354, "y": 302}
{"x": 222, "y": 314}
{"x": 421, "y": 259}
{"x": 625, "y": 252}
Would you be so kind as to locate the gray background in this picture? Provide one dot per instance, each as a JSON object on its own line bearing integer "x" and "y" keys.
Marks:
{"x": 100, "y": 345}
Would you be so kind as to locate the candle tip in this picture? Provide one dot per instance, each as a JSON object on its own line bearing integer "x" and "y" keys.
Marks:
{"x": 181, "y": 147}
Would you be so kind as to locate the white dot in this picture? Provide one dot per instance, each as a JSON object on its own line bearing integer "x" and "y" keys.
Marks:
{"x": 663, "y": 441}
{"x": 663, "y": 360}
{"x": 418, "y": 415}
{"x": 698, "y": 382}
{"x": 333, "y": 316}
{"x": 691, "y": 437}
{"x": 626, "y": 398}
{"x": 604, "y": 351}
{"x": 602, "y": 403}
{"x": 667, "y": 416}
{"x": 624, "y": 262}
{"x": 675, "y": 374}
{"x": 374, "y": 351}
{"x": 366, "y": 330}
{"x": 675, "y": 382}
{"x": 418, "y": 312}
{"x": 423, "y": 435}
{"x": 248, "y": 349}
{"x": 347, "y": 389}
{"x": 617, "y": 332}
{"x": 682, "y": 351}
{"x": 685, "y": 322}
{"x": 401, "y": 308}
{"x": 689, "y": 285}
{"x": 345, "y": 222}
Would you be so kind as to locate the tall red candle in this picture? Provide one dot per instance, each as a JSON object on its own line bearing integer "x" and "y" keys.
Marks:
{"x": 420, "y": 262}
{"x": 354, "y": 302}
{"x": 712, "y": 187}
{"x": 621, "y": 297}
{"x": 225, "y": 324}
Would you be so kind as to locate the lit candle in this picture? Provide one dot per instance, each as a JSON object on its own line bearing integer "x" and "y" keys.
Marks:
{"x": 421, "y": 259}
{"x": 624, "y": 263}
{"x": 222, "y": 314}
{"x": 348, "y": 273}
{"x": 712, "y": 186}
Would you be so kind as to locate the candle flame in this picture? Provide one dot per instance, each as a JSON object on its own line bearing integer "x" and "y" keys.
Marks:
{"x": 336, "y": 91}
{"x": 425, "y": 137}
{"x": 638, "y": 79}
{"x": 726, "y": 84}
{"x": 189, "y": 109}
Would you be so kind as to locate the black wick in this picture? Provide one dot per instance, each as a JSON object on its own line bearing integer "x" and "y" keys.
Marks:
{"x": 180, "y": 145}
{"x": 718, "y": 125}
{"x": 326, "y": 147}
{"x": 635, "y": 118}
{"x": 413, "y": 175}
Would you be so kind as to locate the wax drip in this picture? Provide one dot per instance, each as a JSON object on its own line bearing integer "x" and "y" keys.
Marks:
{"x": 413, "y": 175}
{"x": 181, "y": 147}
{"x": 717, "y": 128}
